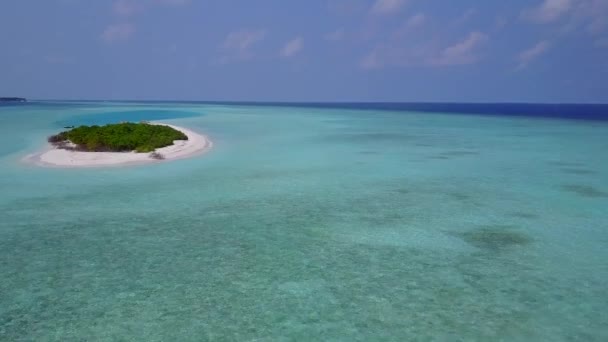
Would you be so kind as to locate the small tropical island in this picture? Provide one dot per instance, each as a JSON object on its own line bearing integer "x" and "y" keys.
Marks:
{"x": 12, "y": 99}
{"x": 119, "y": 144}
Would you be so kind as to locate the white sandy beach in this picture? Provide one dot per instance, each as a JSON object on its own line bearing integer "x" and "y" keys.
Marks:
{"x": 54, "y": 157}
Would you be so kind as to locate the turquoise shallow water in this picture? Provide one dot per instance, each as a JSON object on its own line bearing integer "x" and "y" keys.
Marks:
{"x": 309, "y": 224}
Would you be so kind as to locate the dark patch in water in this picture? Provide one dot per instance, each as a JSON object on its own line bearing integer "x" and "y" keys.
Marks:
{"x": 368, "y": 152}
{"x": 565, "y": 163}
{"x": 402, "y": 191}
{"x": 584, "y": 190}
{"x": 459, "y": 153}
{"x": 576, "y": 171}
{"x": 524, "y": 215}
{"x": 453, "y": 154}
{"x": 336, "y": 121}
{"x": 276, "y": 173}
{"x": 459, "y": 196}
{"x": 495, "y": 238}
{"x": 371, "y": 137}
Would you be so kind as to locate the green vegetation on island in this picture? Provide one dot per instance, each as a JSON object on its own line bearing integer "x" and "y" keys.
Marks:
{"x": 122, "y": 137}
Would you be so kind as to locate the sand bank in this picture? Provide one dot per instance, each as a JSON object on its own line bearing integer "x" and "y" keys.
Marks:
{"x": 54, "y": 157}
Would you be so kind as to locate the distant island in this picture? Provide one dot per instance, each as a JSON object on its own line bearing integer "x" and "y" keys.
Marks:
{"x": 12, "y": 99}
{"x": 123, "y": 137}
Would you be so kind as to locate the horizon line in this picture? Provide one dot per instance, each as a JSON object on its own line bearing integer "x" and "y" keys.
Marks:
{"x": 324, "y": 102}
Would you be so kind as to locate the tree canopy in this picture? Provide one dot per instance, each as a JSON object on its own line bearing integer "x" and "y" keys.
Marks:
{"x": 122, "y": 137}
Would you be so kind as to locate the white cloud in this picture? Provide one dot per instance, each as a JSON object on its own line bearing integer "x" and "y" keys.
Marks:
{"x": 372, "y": 60}
{"x": 428, "y": 54}
{"x": 601, "y": 43}
{"x": 131, "y": 7}
{"x": 594, "y": 13}
{"x": 126, "y": 7}
{"x": 174, "y": 2}
{"x": 292, "y": 47}
{"x": 393, "y": 55}
{"x": 500, "y": 22}
{"x": 416, "y": 20}
{"x": 410, "y": 25}
{"x": 58, "y": 59}
{"x": 239, "y": 44}
{"x": 462, "y": 52}
{"x": 466, "y": 16}
{"x": 335, "y": 35}
{"x": 527, "y": 56}
{"x": 387, "y": 6}
{"x": 591, "y": 16}
{"x": 243, "y": 39}
{"x": 347, "y": 7}
{"x": 548, "y": 11}
{"x": 118, "y": 32}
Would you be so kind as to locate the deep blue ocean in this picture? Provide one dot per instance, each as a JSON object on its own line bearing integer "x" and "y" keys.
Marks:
{"x": 563, "y": 111}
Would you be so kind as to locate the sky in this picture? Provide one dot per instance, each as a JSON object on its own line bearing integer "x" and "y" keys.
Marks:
{"x": 315, "y": 50}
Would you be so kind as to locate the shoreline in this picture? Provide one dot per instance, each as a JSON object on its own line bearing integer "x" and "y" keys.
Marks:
{"x": 181, "y": 149}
